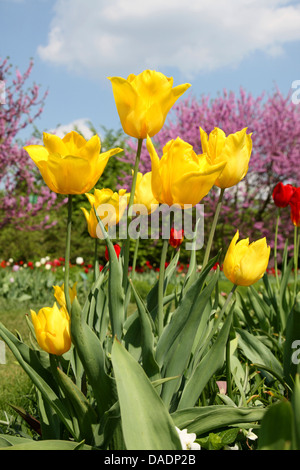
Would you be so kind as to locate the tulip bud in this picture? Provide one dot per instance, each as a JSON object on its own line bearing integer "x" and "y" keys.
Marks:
{"x": 245, "y": 264}
{"x": 143, "y": 101}
{"x": 295, "y": 207}
{"x": 52, "y": 329}
{"x": 282, "y": 194}
{"x": 176, "y": 237}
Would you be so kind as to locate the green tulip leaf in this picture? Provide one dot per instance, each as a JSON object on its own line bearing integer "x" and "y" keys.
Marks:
{"x": 146, "y": 422}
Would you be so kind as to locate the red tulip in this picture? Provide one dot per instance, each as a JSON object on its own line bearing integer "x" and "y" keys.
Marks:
{"x": 282, "y": 194}
{"x": 117, "y": 250}
{"x": 295, "y": 207}
{"x": 176, "y": 237}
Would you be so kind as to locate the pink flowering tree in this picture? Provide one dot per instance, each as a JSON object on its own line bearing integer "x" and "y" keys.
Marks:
{"x": 24, "y": 200}
{"x": 274, "y": 122}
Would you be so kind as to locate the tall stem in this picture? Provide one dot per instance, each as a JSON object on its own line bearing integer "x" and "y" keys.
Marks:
{"x": 96, "y": 261}
{"x": 161, "y": 279}
{"x": 130, "y": 203}
{"x": 296, "y": 254}
{"x": 67, "y": 255}
{"x": 212, "y": 230}
{"x": 275, "y": 248}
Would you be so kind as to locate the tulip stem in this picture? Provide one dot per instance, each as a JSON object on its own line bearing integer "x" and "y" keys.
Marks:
{"x": 96, "y": 261}
{"x": 275, "y": 248}
{"x": 212, "y": 230}
{"x": 296, "y": 254}
{"x": 67, "y": 255}
{"x": 161, "y": 279}
{"x": 130, "y": 203}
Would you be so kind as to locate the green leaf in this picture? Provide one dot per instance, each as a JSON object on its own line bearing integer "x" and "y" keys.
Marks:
{"x": 115, "y": 288}
{"x": 180, "y": 316}
{"x": 276, "y": 431}
{"x": 26, "y": 444}
{"x": 93, "y": 358}
{"x": 146, "y": 422}
{"x": 205, "y": 419}
{"x": 149, "y": 363}
{"x": 189, "y": 311}
{"x": 207, "y": 367}
{"x": 85, "y": 414}
{"x": 257, "y": 352}
{"x": 292, "y": 334}
{"x": 153, "y": 294}
{"x": 296, "y": 411}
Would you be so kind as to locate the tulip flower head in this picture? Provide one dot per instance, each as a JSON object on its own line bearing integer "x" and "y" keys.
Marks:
{"x": 70, "y": 165}
{"x": 143, "y": 195}
{"x": 234, "y": 150}
{"x": 110, "y": 207}
{"x": 143, "y": 101}
{"x": 52, "y": 329}
{"x": 295, "y": 207}
{"x": 176, "y": 237}
{"x": 245, "y": 263}
{"x": 59, "y": 294}
{"x": 180, "y": 176}
{"x": 282, "y": 194}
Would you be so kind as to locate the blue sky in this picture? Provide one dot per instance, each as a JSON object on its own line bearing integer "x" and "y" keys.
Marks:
{"x": 77, "y": 44}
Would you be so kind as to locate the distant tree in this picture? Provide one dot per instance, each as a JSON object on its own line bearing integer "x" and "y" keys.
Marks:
{"x": 25, "y": 200}
{"x": 274, "y": 122}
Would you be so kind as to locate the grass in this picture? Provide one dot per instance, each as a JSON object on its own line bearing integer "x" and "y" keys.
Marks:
{"x": 15, "y": 386}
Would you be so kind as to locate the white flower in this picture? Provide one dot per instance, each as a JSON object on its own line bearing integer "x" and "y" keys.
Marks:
{"x": 250, "y": 435}
{"x": 79, "y": 260}
{"x": 10, "y": 260}
{"x": 43, "y": 260}
{"x": 37, "y": 264}
{"x": 187, "y": 440}
{"x": 48, "y": 266}
{"x": 235, "y": 447}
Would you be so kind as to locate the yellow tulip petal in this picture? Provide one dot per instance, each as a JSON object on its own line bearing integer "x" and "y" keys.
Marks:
{"x": 70, "y": 175}
{"x": 38, "y": 153}
{"x": 156, "y": 183}
{"x": 91, "y": 148}
{"x": 74, "y": 143}
{"x": 54, "y": 144}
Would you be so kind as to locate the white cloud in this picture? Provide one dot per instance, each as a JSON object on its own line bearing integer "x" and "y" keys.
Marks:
{"x": 80, "y": 125}
{"x": 100, "y": 38}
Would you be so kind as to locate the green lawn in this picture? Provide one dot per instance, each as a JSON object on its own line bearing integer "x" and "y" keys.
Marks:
{"x": 15, "y": 386}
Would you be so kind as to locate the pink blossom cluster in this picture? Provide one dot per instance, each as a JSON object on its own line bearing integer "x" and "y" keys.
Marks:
{"x": 274, "y": 122}
{"x": 23, "y": 196}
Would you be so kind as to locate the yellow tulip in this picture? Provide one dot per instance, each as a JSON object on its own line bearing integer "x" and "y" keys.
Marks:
{"x": 245, "y": 264}
{"x": 180, "y": 176}
{"x": 234, "y": 150}
{"x": 70, "y": 165}
{"x": 143, "y": 194}
{"x": 143, "y": 101}
{"x": 52, "y": 329}
{"x": 110, "y": 207}
{"x": 59, "y": 294}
